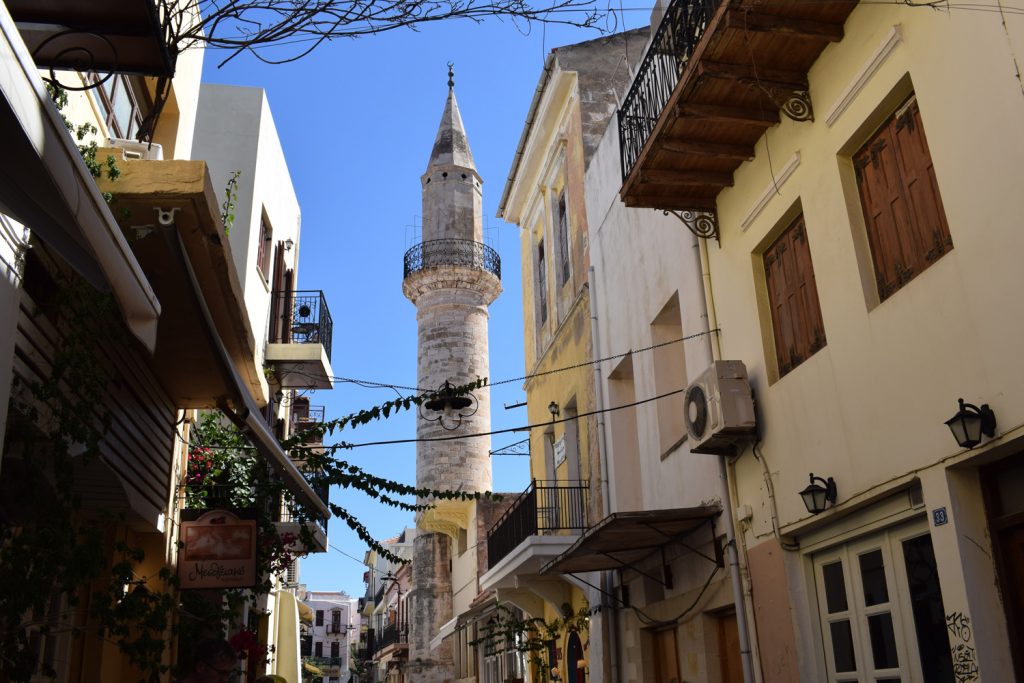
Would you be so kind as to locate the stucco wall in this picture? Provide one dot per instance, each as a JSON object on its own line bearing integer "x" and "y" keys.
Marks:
{"x": 868, "y": 409}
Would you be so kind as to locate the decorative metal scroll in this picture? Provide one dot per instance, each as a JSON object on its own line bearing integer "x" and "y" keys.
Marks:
{"x": 451, "y": 252}
{"x": 448, "y": 407}
{"x": 521, "y": 447}
{"x": 677, "y": 36}
{"x": 795, "y": 104}
{"x": 85, "y": 62}
{"x": 703, "y": 224}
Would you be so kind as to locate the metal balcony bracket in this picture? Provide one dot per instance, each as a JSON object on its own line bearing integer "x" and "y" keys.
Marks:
{"x": 791, "y": 101}
{"x": 613, "y": 596}
{"x": 702, "y": 223}
{"x": 629, "y": 565}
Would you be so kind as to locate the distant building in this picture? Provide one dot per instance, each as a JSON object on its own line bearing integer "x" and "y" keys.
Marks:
{"x": 327, "y": 642}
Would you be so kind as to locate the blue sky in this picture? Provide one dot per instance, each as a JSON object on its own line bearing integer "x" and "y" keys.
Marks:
{"x": 357, "y": 120}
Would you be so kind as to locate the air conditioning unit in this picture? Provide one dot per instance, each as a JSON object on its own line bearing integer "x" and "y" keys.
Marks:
{"x": 719, "y": 409}
{"x": 133, "y": 149}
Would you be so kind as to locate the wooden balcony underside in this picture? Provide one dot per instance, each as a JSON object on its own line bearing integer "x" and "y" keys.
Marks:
{"x": 748, "y": 70}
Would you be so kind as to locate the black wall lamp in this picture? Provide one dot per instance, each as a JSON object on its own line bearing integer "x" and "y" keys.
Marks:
{"x": 816, "y": 497}
{"x": 553, "y": 409}
{"x": 970, "y": 422}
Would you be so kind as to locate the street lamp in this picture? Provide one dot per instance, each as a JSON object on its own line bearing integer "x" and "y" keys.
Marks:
{"x": 970, "y": 422}
{"x": 816, "y": 497}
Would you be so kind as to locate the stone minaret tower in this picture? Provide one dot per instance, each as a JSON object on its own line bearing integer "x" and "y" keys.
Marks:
{"x": 451, "y": 278}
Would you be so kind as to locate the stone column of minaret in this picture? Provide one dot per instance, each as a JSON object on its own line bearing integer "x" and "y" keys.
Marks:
{"x": 451, "y": 278}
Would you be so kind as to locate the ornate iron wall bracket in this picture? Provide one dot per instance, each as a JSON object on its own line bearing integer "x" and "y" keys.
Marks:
{"x": 703, "y": 224}
{"x": 794, "y": 103}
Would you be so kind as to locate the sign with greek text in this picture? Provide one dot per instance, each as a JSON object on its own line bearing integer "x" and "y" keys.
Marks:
{"x": 559, "y": 451}
{"x": 219, "y": 552}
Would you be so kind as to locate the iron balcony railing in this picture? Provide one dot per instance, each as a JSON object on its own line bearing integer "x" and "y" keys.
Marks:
{"x": 663, "y": 65}
{"x": 544, "y": 507}
{"x": 390, "y": 635}
{"x": 325, "y": 662}
{"x": 451, "y": 252}
{"x": 301, "y": 318}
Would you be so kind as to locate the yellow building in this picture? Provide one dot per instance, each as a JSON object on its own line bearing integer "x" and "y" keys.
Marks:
{"x": 858, "y": 164}
{"x": 544, "y": 196}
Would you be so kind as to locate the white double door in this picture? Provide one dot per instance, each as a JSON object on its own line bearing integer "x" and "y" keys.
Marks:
{"x": 866, "y": 606}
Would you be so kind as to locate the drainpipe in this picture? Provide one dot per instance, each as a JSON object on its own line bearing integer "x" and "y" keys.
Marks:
{"x": 746, "y": 655}
{"x": 607, "y": 578}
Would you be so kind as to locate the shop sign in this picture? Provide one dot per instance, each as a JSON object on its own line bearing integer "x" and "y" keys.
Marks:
{"x": 219, "y": 552}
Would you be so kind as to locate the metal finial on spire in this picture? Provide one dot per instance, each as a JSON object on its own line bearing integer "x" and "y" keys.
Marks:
{"x": 451, "y": 75}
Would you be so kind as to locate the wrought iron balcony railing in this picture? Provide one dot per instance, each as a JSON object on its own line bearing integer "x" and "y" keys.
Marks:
{"x": 663, "y": 65}
{"x": 390, "y": 635}
{"x": 301, "y": 318}
{"x": 451, "y": 252}
{"x": 545, "y": 506}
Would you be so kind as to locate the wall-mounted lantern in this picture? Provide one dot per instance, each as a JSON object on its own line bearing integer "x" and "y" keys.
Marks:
{"x": 816, "y": 497}
{"x": 970, "y": 422}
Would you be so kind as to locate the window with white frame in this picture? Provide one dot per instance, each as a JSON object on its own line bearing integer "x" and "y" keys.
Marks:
{"x": 880, "y": 609}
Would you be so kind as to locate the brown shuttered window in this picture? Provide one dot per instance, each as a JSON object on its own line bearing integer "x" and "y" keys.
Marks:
{"x": 903, "y": 212}
{"x": 562, "y": 231}
{"x": 793, "y": 295}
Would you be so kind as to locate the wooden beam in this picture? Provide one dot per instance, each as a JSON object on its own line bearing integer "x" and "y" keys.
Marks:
{"x": 718, "y": 150}
{"x": 669, "y": 202}
{"x": 670, "y": 178}
{"x": 770, "y": 23}
{"x": 778, "y": 78}
{"x": 764, "y": 118}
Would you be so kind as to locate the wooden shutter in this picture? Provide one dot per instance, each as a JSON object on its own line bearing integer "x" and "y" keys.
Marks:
{"x": 793, "y": 295}
{"x": 562, "y": 227}
{"x": 918, "y": 173}
{"x": 903, "y": 213}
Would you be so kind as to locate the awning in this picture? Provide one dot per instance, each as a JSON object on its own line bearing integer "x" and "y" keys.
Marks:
{"x": 111, "y": 35}
{"x": 623, "y": 539}
{"x": 305, "y": 612}
{"x": 315, "y": 670}
{"x": 205, "y": 349}
{"x": 446, "y": 630}
{"x": 45, "y": 185}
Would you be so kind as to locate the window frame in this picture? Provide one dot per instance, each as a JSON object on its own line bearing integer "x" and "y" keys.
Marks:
{"x": 907, "y": 240}
{"x": 802, "y": 305}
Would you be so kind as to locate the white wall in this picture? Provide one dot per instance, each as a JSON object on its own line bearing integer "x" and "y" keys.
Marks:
{"x": 641, "y": 258}
{"x": 235, "y": 131}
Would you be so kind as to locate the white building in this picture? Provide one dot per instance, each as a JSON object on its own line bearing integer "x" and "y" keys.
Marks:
{"x": 326, "y": 646}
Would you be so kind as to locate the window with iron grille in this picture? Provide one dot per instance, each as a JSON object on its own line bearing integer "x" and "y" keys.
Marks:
{"x": 903, "y": 212}
{"x": 562, "y": 235}
{"x": 793, "y": 296}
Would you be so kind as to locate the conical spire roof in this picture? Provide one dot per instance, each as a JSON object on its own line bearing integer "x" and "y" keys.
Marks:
{"x": 451, "y": 147}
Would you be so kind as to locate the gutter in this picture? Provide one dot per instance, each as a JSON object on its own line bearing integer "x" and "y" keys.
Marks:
{"x": 531, "y": 116}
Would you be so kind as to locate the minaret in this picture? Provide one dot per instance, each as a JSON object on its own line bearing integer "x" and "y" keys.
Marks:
{"x": 451, "y": 278}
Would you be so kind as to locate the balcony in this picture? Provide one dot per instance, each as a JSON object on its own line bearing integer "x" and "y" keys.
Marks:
{"x": 305, "y": 417}
{"x": 543, "y": 522}
{"x": 391, "y": 635}
{"x": 288, "y": 520}
{"x": 451, "y": 252}
{"x": 716, "y": 76}
{"x": 299, "y": 347}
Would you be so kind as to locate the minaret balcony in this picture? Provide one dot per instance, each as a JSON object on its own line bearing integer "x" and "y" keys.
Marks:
{"x": 452, "y": 252}
{"x": 299, "y": 348}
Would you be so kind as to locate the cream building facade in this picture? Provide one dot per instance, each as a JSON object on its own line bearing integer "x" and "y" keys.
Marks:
{"x": 864, "y": 274}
